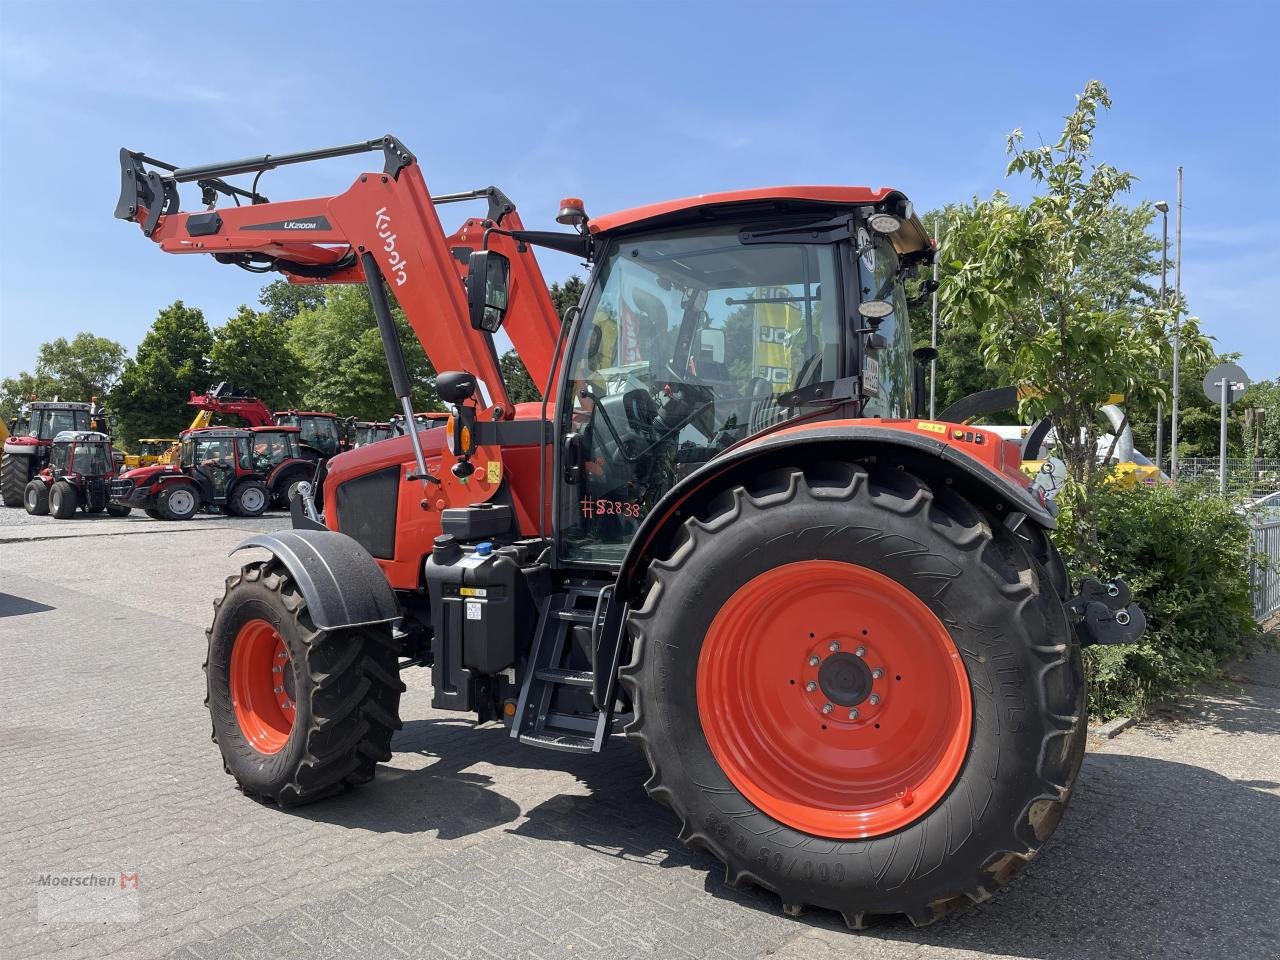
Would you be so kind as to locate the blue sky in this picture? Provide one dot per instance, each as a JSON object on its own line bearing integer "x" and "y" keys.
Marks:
{"x": 620, "y": 104}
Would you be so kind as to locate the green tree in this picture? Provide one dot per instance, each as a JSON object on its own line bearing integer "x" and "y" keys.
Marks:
{"x": 252, "y": 352}
{"x": 16, "y": 391}
{"x": 567, "y": 294}
{"x": 172, "y": 360}
{"x": 520, "y": 386}
{"x": 84, "y": 367}
{"x": 1065, "y": 322}
{"x": 284, "y": 300}
{"x": 344, "y": 367}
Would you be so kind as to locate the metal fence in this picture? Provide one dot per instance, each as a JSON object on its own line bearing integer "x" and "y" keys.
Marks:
{"x": 1265, "y": 573}
{"x": 1245, "y": 475}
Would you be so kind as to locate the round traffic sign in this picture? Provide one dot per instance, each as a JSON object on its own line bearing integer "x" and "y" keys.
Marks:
{"x": 1237, "y": 381}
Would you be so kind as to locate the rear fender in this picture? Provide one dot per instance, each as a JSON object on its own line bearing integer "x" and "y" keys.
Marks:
{"x": 924, "y": 447}
{"x": 341, "y": 583}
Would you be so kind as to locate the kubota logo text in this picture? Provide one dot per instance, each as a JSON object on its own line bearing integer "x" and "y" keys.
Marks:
{"x": 382, "y": 223}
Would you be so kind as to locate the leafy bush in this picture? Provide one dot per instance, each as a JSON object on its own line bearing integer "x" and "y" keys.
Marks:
{"x": 1185, "y": 553}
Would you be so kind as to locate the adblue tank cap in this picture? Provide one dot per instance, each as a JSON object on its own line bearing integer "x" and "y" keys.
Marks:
{"x": 484, "y": 549}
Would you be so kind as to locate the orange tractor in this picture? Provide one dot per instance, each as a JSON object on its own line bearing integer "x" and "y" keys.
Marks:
{"x": 839, "y": 633}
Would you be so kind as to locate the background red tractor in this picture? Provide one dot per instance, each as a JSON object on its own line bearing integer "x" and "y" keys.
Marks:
{"x": 239, "y": 470}
{"x": 839, "y": 633}
{"x": 81, "y": 468}
{"x": 27, "y": 451}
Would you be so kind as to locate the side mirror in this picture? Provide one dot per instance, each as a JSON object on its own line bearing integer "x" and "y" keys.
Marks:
{"x": 488, "y": 277}
{"x": 711, "y": 345}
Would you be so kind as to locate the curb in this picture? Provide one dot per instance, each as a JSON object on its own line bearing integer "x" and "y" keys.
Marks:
{"x": 1112, "y": 728}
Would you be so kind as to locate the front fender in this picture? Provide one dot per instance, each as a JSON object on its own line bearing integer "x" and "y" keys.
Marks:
{"x": 341, "y": 583}
{"x": 929, "y": 447}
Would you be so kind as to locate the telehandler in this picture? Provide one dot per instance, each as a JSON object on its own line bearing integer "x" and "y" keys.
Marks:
{"x": 838, "y": 632}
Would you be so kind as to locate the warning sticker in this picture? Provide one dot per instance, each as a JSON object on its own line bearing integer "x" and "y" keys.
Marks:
{"x": 493, "y": 472}
{"x": 932, "y": 427}
{"x": 473, "y": 609}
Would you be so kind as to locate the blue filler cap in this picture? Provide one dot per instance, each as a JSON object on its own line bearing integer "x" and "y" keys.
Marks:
{"x": 484, "y": 549}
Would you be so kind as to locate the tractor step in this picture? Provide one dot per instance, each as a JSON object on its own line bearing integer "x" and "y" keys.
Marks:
{"x": 556, "y": 667}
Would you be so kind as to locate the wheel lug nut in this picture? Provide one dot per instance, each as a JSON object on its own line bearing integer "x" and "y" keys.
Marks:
{"x": 833, "y": 646}
{"x": 814, "y": 660}
{"x": 877, "y": 673}
{"x": 873, "y": 699}
{"x": 827, "y": 708}
{"x": 811, "y": 686}
{"x": 279, "y": 690}
{"x": 861, "y": 652}
{"x": 853, "y": 714}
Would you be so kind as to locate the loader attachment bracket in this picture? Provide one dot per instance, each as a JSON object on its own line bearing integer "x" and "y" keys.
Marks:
{"x": 1103, "y": 613}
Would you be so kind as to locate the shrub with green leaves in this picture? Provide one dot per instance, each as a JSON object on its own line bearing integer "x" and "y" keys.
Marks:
{"x": 1185, "y": 553}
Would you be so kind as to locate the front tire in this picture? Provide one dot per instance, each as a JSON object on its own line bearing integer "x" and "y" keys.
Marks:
{"x": 15, "y": 472}
{"x": 36, "y": 498}
{"x": 63, "y": 500}
{"x": 118, "y": 510}
{"x": 299, "y": 713}
{"x": 178, "y": 502}
{"x": 919, "y": 803}
{"x": 249, "y": 499}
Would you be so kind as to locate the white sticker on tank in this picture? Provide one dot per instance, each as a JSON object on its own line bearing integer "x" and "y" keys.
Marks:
{"x": 473, "y": 609}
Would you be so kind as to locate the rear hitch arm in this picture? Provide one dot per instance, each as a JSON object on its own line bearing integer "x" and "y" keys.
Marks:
{"x": 1105, "y": 614}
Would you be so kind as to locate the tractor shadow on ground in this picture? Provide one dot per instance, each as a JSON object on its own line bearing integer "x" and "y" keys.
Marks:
{"x": 11, "y": 606}
{"x": 1153, "y": 858}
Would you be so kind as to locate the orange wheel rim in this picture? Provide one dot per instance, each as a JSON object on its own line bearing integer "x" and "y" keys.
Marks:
{"x": 262, "y": 686}
{"x": 834, "y": 699}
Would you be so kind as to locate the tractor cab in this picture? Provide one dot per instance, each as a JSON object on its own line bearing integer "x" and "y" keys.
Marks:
{"x": 322, "y": 432}
{"x": 151, "y": 450}
{"x": 694, "y": 337}
{"x": 80, "y": 470}
{"x": 363, "y": 432}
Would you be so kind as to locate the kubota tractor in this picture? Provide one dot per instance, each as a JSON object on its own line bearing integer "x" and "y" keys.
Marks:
{"x": 27, "y": 451}
{"x": 839, "y": 633}
{"x": 78, "y": 476}
{"x": 238, "y": 470}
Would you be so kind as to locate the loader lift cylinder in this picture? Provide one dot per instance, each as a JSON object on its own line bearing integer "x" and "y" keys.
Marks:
{"x": 395, "y": 358}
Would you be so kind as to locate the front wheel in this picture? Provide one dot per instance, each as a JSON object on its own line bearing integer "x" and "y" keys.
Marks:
{"x": 249, "y": 499}
{"x": 63, "y": 500}
{"x": 857, "y": 692}
{"x": 298, "y": 713}
{"x": 177, "y": 502}
{"x": 36, "y": 498}
{"x": 118, "y": 510}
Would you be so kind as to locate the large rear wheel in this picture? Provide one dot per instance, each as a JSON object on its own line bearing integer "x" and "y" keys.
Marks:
{"x": 858, "y": 692}
{"x": 15, "y": 472}
{"x": 298, "y": 713}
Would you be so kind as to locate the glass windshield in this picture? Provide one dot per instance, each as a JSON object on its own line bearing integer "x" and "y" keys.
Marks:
{"x": 60, "y": 457}
{"x": 887, "y": 374}
{"x": 47, "y": 424}
{"x": 691, "y": 339}
{"x": 270, "y": 450}
{"x": 92, "y": 459}
{"x": 318, "y": 432}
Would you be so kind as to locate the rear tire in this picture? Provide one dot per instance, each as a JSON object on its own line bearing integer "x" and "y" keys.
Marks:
{"x": 344, "y": 687}
{"x": 36, "y": 498}
{"x": 178, "y": 502}
{"x": 15, "y": 473}
{"x": 63, "y": 500}
{"x": 249, "y": 499}
{"x": 1018, "y": 663}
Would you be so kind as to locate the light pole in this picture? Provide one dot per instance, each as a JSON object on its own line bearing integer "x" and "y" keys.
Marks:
{"x": 1177, "y": 331}
{"x": 1163, "y": 207}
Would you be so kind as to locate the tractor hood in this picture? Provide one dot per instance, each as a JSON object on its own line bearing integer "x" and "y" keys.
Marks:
{"x": 141, "y": 476}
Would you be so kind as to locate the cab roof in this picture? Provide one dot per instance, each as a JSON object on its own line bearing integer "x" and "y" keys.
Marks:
{"x": 81, "y": 436}
{"x": 770, "y": 201}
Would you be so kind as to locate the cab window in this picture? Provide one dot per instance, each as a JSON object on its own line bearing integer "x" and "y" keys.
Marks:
{"x": 886, "y": 371}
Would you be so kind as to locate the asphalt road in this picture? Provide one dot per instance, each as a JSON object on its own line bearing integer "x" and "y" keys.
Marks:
{"x": 468, "y": 846}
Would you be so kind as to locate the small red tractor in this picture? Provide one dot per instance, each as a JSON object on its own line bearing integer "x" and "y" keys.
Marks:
{"x": 242, "y": 471}
{"x": 326, "y": 433}
{"x": 27, "y": 451}
{"x": 364, "y": 431}
{"x": 79, "y": 474}
{"x": 839, "y": 632}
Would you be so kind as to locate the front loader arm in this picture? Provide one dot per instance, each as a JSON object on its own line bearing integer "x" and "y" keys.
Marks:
{"x": 390, "y": 215}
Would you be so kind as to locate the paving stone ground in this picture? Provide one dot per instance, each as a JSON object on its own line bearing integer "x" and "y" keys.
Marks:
{"x": 468, "y": 846}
